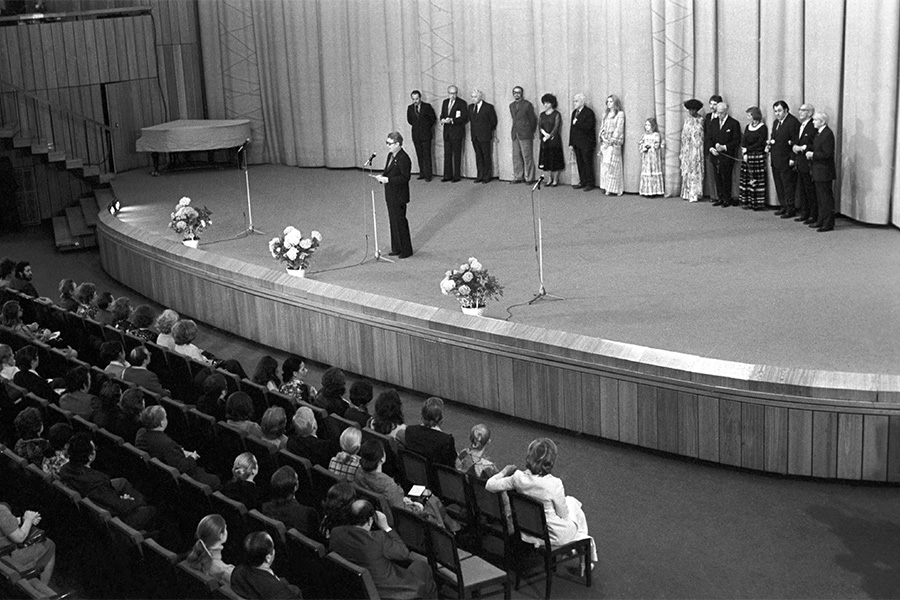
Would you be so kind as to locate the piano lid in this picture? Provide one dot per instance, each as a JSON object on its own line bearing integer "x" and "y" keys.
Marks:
{"x": 187, "y": 135}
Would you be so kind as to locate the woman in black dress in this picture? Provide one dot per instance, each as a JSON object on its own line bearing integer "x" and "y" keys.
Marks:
{"x": 551, "y": 158}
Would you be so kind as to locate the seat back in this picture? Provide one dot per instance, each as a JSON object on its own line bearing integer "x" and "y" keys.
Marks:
{"x": 391, "y": 464}
{"x": 160, "y": 565}
{"x": 202, "y": 429}
{"x": 129, "y": 556}
{"x": 443, "y": 549}
{"x": 176, "y": 415}
{"x": 194, "y": 503}
{"x": 82, "y": 425}
{"x": 164, "y": 484}
{"x": 181, "y": 380}
{"x": 194, "y": 584}
{"x": 282, "y": 400}
{"x": 256, "y": 521}
{"x": 235, "y": 515}
{"x": 415, "y": 467}
{"x": 348, "y": 580}
{"x": 159, "y": 363}
{"x": 412, "y": 530}
{"x": 335, "y": 426}
{"x": 55, "y": 415}
{"x": 305, "y": 492}
{"x": 229, "y": 444}
{"x": 305, "y": 557}
{"x": 322, "y": 480}
{"x": 266, "y": 458}
{"x": 257, "y": 394}
{"x": 529, "y": 517}
{"x": 454, "y": 490}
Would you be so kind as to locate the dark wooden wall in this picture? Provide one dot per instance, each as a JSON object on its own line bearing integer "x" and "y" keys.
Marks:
{"x": 798, "y": 422}
{"x": 145, "y": 69}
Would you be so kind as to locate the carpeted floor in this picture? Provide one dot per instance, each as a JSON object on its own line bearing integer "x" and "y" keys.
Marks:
{"x": 658, "y": 272}
{"x": 665, "y": 527}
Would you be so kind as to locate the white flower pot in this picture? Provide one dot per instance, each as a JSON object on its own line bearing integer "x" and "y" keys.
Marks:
{"x": 477, "y": 311}
{"x": 190, "y": 243}
{"x": 296, "y": 272}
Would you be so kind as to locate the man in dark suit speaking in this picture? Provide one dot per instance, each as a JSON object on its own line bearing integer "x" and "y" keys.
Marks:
{"x": 395, "y": 179}
{"x": 421, "y": 118}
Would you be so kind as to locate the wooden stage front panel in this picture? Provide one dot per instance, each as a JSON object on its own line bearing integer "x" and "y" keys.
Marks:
{"x": 790, "y": 421}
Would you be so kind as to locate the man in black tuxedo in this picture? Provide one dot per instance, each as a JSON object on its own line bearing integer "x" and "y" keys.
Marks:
{"x": 420, "y": 115}
{"x": 583, "y": 141}
{"x": 709, "y": 172}
{"x": 806, "y": 197}
{"x": 454, "y": 116}
{"x": 725, "y": 135}
{"x": 784, "y": 129}
{"x": 824, "y": 171}
{"x": 395, "y": 178}
{"x": 483, "y": 121}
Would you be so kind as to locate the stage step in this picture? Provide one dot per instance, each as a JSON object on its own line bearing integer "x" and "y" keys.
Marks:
{"x": 89, "y": 210}
{"x": 77, "y": 225}
{"x": 23, "y": 142}
{"x": 62, "y": 235}
{"x": 8, "y": 130}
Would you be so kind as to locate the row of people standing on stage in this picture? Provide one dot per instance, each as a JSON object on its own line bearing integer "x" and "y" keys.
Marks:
{"x": 803, "y": 166}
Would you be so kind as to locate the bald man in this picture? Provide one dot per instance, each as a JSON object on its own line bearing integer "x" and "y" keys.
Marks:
{"x": 482, "y": 122}
{"x": 454, "y": 116}
{"x": 824, "y": 171}
{"x": 806, "y": 189}
{"x": 582, "y": 141}
{"x": 725, "y": 137}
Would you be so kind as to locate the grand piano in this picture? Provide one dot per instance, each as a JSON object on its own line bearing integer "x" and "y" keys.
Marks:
{"x": 193, "y": 135}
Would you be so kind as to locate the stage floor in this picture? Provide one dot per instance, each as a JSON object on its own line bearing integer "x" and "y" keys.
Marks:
{"x": 658, "y": 272}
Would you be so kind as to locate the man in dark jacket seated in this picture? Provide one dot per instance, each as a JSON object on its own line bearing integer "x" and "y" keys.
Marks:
{"x": 427, "y": 439}
{"x": 117, "y": 495}
{"x": 255, "y": 578}
{"x": 377, "y": 551}
{"x": 304, "y": 442}
{"x": 284, "y": 506}
{"x": 153, "y": 440}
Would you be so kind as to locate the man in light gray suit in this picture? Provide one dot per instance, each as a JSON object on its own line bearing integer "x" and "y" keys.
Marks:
{"x": 523, "y": 128}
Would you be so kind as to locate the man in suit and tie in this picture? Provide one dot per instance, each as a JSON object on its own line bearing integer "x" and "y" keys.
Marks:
{"x": 395, "y": 178}
{"x": 483, "y": 122}
{"x": 454, "y": 116}
{"x": 420, "y": 115}
{"x": 709, "y": 172}
{"x": 823, "y": 170}
{"x": 806, "y": 196}
{"x": 784, "y": 130}
{"x": 725, "y": 136}
{"x": 583, "y": 140}
{"x": 524, "y": 124}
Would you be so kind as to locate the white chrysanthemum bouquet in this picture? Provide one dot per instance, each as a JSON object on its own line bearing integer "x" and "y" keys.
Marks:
{"x": 471, "y": 284}
{"x": 293, "y": 249}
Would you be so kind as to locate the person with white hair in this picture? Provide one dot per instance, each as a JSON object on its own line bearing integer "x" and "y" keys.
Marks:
{"x": 824, "y": 171}
{"x": 483, "y": 122}
{"x": 582, "y": 141}
{"x": 304, "y": 441}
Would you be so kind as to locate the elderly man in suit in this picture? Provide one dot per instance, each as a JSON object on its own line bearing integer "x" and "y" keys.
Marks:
{"x": 824, "y": 171}
{"x": 395, "y": 179}
{"x": 454, "y": 116}
{"x": 379, "y": 551}
{"x": 784, "y": 129}
{"x": 524, "y": 124}
{"x": 583, "y": 140}
{"x": 725, "y": 136}
{"x": 483, "y": 122}
{"x": 420, "y": 115}
{"x": 806, "y": 196}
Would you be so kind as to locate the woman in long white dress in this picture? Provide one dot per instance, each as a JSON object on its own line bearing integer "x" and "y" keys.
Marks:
{"x": 612, "y": 138}
{"x": 692, "y": 152}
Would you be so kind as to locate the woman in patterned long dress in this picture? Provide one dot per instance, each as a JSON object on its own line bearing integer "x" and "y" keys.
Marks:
{"x": 612, "y": 137}
{"x": 651, "y": 160}
{"x": 753, "y": 168}
{"x": 692, "y": 152}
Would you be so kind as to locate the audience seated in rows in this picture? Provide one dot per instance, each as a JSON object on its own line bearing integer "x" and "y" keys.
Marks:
{"x": 8, "y": 368}
{"x": 371, "y": 477}
{"x": 85, "y": 296}
{"x": 360, "y": 396}
{"x": 77, "y": 399}
{"x": 184, "y": 332}
{"x": 11, "y": 318}
{"x": 336, "y": 508}
{"x": 58, "y": 453}
{"x": 304, "y": 442}
{"x": 427, "y": 439}
{"x": 472, "y": 460}
{"x": 67, "y": 295}
{"x": 164, "y": 323}
{"x": 27, "y": 361}
{"x": 239, "y": 414}
{"x": 117, "y": 495}
{"x": 153, "y": 440}
{"x": 106, "y": 412}
{"x": 121, "y": 312}
{"x": 255, "y": 578}
{"x": 388, "y": 417}
{"x": 112, "y": 357}
{"x": 21, "y": 281}
{"x": 212, "y": 400}
{"x": 266, "y": 373}
{"x": 242, "y": 487}
{"x": 29, "y": 427}
{"x": 273, "y": 425}
{"x": 346, "y": 462}
{"x": 293, "y": 370}
{"x": 369, "y": 542}
{"x": 34, "y": 550}
{"x": 331, "y": 394}
{"x": 284, "y": 506}
{"x": 139, "y": 373}
{"x": 101, "y": 302}
{"x": 206, "y": 554}
{"x": 128, "y": 420}
{"x": 141, "y": 321}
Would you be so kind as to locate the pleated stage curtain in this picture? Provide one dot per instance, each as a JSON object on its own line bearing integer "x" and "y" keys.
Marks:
{"x": 323, "y": 81}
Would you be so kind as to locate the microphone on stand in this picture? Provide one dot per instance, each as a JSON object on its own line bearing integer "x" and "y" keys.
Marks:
{"x": 537, "y": 185}
{"x": 368, "y": 163}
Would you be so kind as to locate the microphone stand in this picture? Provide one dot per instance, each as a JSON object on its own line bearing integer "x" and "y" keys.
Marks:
{"x": 378, "y": 256}
{"x": 245, "y": 166}
{"x": 536, "y": 221}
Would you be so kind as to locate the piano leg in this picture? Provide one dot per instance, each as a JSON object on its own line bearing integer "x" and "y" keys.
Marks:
{"x": 155, "y": 157}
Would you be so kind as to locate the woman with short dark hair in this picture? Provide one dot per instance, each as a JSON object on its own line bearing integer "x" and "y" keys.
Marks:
{"x": 753, "y": 166}
{"x": 550, "y": 159}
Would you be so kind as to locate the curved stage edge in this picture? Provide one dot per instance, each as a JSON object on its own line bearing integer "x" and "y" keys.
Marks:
{"x": 789, "y": 421}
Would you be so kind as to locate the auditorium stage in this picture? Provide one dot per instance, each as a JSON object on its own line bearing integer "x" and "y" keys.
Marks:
{"x": 718, "y": 283}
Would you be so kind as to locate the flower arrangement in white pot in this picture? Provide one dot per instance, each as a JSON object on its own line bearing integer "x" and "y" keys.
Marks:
{"x": 472, "y": 285}
{"x": 294, "y": 250}
{"x": 189, "y": 221}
